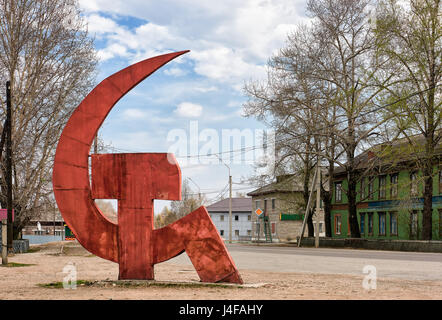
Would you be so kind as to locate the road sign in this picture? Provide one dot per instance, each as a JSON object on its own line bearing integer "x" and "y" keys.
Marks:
{"x": 258, "y": 212}
{"x": 4, "y": 214}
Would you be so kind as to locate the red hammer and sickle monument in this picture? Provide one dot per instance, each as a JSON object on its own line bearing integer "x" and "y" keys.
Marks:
{"x": 135, "y": 180}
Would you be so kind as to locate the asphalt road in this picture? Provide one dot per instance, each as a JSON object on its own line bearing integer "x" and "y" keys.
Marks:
{"x": 389, "y": 264}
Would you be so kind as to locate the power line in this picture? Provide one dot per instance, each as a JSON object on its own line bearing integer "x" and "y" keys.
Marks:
{"x": 319, "y": 130}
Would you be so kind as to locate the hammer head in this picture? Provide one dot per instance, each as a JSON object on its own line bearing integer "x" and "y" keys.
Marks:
{"x": 136, "y": 177}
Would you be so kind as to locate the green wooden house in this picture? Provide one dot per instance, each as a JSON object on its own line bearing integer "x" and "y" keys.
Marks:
{"x": 389, "y": 195}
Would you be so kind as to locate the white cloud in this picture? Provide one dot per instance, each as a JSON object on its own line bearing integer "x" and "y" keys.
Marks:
{"x": 189, "y": 110}
{"x": 230, "y": 41}
{"x": 100, "y": 25}
{"x": 176, "y": 72}
{"x": 130, "y": 114}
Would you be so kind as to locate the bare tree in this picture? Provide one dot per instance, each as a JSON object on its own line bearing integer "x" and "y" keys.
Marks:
{"x": 47, "y": 55}
{"x": 343, "y": 29}
{"x": 410, "y": 36}
{"x": 189, "y": 202}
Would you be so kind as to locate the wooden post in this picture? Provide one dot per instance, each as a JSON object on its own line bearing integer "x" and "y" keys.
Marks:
{"x": 318, "y": 203}
{"x": 4, "y": 223}
{"x": 307, "y": 210}
{"x": 9, "y": 163}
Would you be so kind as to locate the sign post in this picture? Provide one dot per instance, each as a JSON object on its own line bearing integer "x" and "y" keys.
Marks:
{"x": 4, "y": 241}
{"x": 4, "y": 223}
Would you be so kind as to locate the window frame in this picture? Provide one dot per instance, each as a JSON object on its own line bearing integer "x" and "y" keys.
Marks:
{"x": 394, "y": 185}
{"x": 414, "y": 223}
{"x": 370, "y": 223}
{"x": 340, "y": 191}
{"x": 394, "y": 214}
{"x": 362, "y": 222}
{"x": 440, "y": 180}
{"x": 382, "y": 191}
{"x": 370, "y": 188}
{"x": 384, "y": 215}
{"x": 414, "y": 192}
{"x": 336, "y": 216}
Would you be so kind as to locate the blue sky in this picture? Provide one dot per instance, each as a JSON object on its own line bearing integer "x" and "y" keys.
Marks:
{"x": 230, "y": 43}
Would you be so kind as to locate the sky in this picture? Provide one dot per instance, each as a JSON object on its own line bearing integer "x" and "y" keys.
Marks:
{"x": 188, "y": 106}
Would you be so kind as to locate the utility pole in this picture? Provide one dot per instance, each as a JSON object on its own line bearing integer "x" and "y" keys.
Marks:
{"x": 230, "y": 199}
{"x": 9, "y": 162}
{"x": 318, "y": 203}
{"x": 230, "y": 207}
{"x": 307, "y": 210}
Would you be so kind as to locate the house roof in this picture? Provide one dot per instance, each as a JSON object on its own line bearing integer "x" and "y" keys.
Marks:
{"x": 238, "y": 205}
{"x": 391, "y": 153}
{"x": 283, "y": 184}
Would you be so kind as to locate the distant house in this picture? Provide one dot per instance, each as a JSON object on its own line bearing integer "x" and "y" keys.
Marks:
{"x": 47, "y": 227}
{"x": 241, "y": 218}
{"x": 283, "y": 203}
{"x": 389, "y": 199}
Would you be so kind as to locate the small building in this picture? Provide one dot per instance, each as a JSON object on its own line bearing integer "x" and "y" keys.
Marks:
{"x": 48, "y": 226}
{"x": 241, "y": 218}
{"x": 389, "y": 195}
{"x": 283, "y": 203}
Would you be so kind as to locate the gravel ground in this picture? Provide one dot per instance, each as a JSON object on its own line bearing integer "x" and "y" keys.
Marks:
{"x": 49, "y": 260}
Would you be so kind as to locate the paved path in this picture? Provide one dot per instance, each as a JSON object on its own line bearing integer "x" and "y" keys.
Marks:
{"x": 391, "y": 264}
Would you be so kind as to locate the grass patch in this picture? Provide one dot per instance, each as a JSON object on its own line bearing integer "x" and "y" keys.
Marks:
{"x": 16, "y": 265}
{"x": 59, "y": 285}
{"x": 140, "y": 284}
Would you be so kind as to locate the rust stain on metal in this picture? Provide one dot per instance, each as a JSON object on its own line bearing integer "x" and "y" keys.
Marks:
{"x": 135, "y": 179}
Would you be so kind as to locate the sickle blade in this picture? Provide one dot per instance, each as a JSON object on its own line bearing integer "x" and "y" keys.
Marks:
{"x": 71, "y": 184}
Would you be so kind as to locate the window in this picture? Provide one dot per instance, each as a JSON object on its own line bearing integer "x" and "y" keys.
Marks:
{"x": 370, "y": 223}
{"x": 362, "y": 193}
{"x": 362, "y": 222}
{"x": 249, "y": 232}
{"x": 382, "y": 187}
{"x": 257, "y": 204}
{"x": 394, "y": 185}
{"x": 321, "y": 227}
{"x": 381, "y": 223}
{"x": 221, "y": 217}
{"x": 413, "y": 223}
{"x": 440, "y": 181}
{"x": 249, "y": 217}
{"x": 370, "y": 187}
{"x": 265, "y": 206}
{"x": 236, "y": 218}
{"x": 393, "y": 223}
{"x": 440, "y": 223}
{"x": 338, "y": 223}
{"x": 413, "y": 184}
{"x": 236, "y": 232}
{"x": 338, "y": 191}
{"x": 221, "y": 232}
{"x": 273, "y": 203}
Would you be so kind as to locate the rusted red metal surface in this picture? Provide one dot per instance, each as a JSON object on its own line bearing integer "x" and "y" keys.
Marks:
{"x": 135, "y": 180}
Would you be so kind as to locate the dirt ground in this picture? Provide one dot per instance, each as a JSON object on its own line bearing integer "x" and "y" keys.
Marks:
{"x": 48, "y": 261}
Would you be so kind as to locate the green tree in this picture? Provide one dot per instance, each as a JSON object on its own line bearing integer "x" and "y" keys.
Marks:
{"x": 409, "y": 35}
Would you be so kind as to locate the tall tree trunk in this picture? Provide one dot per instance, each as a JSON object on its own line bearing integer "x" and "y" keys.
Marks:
{"x": 306, "y": 194}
